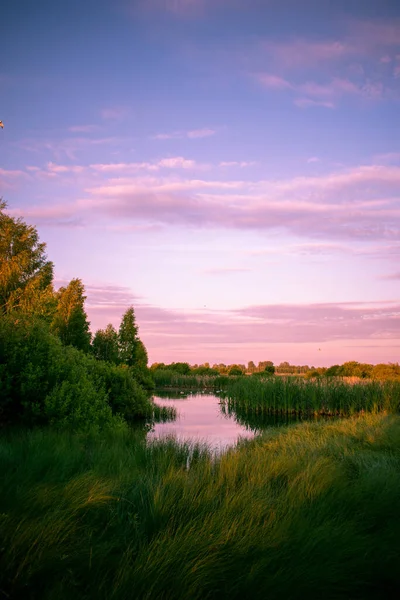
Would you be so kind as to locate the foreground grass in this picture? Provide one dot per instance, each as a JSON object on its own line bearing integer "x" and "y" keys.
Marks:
{"x": 308, "y": 511}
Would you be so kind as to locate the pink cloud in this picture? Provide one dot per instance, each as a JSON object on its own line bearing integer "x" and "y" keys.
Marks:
{"x": 251, "y": 332}
{"x": 359, "y": 203}
{"x": 273, "y": 81}
{"x": 177, "y": 162}
{"x": 200, "y": 133}
{"x": 299, "y": 52}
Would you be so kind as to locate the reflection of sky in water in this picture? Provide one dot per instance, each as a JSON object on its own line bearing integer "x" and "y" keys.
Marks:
{"x": 200, "y": 420}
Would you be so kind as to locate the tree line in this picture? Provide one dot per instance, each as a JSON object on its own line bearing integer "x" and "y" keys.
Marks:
{"x": 51, "y": 368}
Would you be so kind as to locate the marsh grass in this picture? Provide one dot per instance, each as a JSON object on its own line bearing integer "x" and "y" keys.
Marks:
{"x": 307, "y": 511}
{"x": 165, "y": 378}
{"x": 250, "y": 398}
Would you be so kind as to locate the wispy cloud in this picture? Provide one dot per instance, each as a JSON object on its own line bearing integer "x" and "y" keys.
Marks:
{"x": 115, "y": 113}
{"x": 353, "y": 204}
{"x": 391, "y": 276}
{"x": 83, "y": 128}
{"x": 327, "y": 94}
{"x": 249, "y": 330}
{"x": 190, "y": 134}
{"x": 235, "y": 163}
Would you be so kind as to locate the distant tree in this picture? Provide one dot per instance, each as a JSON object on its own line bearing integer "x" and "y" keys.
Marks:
{"x": 157, "y": 366}
{"x": 183, "y": 368}
{"x": 203, "y": 370}
{"x": 235, "y": 370}
{"x": 70, "y": 322}
{"x": 333, "y": 371}
{"x": 105, "y": 344}
{"x": 26, "y": 275}
{"x": 128, "y": 339}
{"x": 269, "y": 369}
{"x": 251, "y": 367}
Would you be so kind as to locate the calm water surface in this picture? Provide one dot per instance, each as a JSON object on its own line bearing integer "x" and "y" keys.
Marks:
{"x": 200, "y": 419}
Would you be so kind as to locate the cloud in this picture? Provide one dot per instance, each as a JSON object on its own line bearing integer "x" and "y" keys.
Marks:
{"x": 67, "y": 148}
{"x": 391, "y": 277}
{"x": 116, "y": 113}
{"x": 313, "y": 159}
{"x": 191, "y": 134}
{"x": 251, "y": 330}
{"x": 312, "y": 93}
{"x": 307, "y": 103}
{"x": 274, "y": 81}
{"x": 234, "y": 163}
{"x": 83, "y": 128}
{"x": 356, "y": 204}
{"x": 177, "y": 162}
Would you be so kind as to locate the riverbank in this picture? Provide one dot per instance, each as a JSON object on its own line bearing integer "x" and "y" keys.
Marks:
{"x": 309, "y": 510}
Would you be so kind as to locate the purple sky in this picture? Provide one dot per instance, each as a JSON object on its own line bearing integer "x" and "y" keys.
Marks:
{"x": 229, "y": 167}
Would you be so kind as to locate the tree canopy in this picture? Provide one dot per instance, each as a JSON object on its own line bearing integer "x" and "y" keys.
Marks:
{"x": 26, "y": 275}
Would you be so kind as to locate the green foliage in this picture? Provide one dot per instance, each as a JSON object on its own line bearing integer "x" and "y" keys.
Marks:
{"x": 128, "y": 339}
{"x": 269, "y": 370}
{"x": 70, "y": 322}
{"x": 43, "y": 381}
{"x": 26, "y": 275}
{"x": 235, "y": 370}
{"x": 105, "y": 345}
{"x": 204, "y": 371}
{"x": 309, "y": 511}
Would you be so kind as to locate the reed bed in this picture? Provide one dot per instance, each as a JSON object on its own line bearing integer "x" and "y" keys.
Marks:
{"x": 251, "y": 396}
{"x": 165, "y": 379}
{"x": 308, "y": 511}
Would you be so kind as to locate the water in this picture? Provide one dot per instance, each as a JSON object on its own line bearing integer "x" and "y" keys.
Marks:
{"x": 200, "y": 419}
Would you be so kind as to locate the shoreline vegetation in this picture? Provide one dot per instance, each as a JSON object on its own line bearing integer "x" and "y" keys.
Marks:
{"x": 90, "y": 508}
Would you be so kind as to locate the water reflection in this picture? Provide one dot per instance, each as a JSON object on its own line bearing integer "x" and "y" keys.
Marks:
{"x": 200, "y": 419}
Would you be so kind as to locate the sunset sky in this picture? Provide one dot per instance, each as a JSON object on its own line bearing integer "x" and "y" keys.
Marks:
{"x": 229, "y": 167}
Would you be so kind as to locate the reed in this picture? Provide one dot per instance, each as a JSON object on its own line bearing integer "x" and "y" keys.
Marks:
{"x": 165, "y": 378}
{"x": 252, "y": 397}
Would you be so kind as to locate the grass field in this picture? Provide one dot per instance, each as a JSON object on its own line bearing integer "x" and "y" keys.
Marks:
{"x": 307, "y": 511}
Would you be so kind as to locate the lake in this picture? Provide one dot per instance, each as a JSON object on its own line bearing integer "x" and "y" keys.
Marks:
{"x": 200, "y": 419}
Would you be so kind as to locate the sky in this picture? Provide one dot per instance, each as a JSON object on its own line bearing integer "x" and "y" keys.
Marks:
{"x": 231, "y": 168}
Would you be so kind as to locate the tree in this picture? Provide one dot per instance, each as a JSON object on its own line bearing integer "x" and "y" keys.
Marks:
{"x": 235, "y": 370}
{"x": 26, "y": 275}
{"x": 128, "y": 339}
{"x": 251, "y": 367}
{"x": 269, "y": 369}
{"x": 70, "y": 322}
{"x": 105, "y": 344}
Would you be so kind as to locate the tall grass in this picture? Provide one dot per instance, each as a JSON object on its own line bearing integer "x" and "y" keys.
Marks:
{"x": 309, "y": 511}
{"x": 251, "y": 397}
{"x": 165, "y": 378}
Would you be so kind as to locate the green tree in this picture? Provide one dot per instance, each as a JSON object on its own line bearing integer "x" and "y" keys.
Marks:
{"x": 142, "y": 358}
{"x": 26, "y": 275}
{"x": 128, "y": 339}
{"x": 70, "y": 322}
{"x": 105, "y": 344}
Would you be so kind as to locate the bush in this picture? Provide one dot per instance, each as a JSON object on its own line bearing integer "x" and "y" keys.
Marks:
{"x": 41, "y": 380}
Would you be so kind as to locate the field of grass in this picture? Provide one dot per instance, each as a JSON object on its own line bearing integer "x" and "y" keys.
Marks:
{"x": 251, "y": 397}
{"x": 308, "y": 511}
